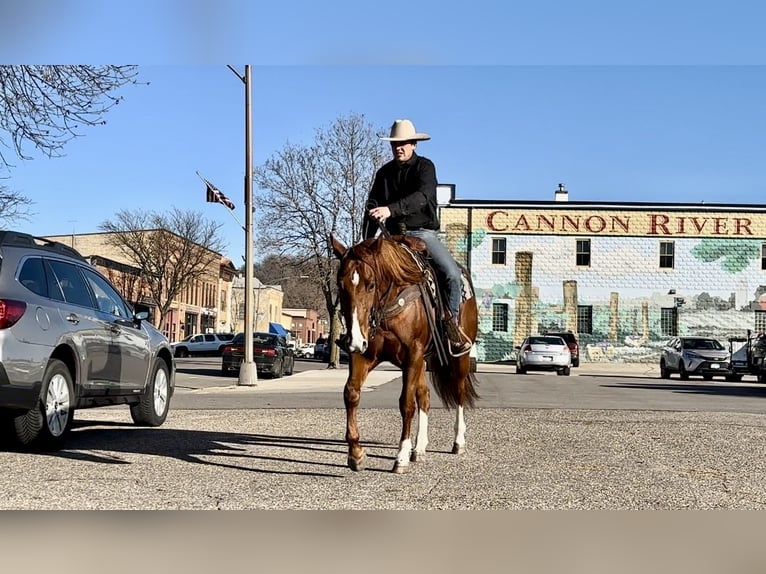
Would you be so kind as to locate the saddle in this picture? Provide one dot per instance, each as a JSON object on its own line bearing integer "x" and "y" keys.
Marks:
{"x": 432, "y": 292}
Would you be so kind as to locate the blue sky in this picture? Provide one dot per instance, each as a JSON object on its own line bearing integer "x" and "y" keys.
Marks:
{"x": 657, "y": 101}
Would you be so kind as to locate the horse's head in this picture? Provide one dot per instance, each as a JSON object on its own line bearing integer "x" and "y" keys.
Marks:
{"x": 357, "y": 291}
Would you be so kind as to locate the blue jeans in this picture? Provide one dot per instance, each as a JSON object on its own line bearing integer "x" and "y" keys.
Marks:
{"x": 446, "y": 267}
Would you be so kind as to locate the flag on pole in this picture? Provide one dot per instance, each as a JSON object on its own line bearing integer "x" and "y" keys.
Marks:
{"x": 215, "y": 195}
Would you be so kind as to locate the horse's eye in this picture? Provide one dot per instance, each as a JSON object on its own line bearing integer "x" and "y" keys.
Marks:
{"x": 371, "y": 287}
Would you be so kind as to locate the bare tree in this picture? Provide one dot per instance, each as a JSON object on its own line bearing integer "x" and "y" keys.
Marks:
{"x": 46, "y": 106}
{"x": 291, "y": 273}
{"x": 13, "y": 206}
{"x": 42, "y": 108}
{"x": 307, "y": 193}
{"x": 173, "y": 249}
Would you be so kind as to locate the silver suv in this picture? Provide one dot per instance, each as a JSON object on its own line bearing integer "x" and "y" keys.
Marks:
{"x": 699, "y": 356}
{"x": 68, "y": 340}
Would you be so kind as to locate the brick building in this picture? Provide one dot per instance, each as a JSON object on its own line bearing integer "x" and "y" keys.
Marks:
{"x": 624, "y": 276}
{"x": 304, "y": 324}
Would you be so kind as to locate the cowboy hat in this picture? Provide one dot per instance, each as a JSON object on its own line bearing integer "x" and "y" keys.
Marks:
{"x": 402, "y": 131}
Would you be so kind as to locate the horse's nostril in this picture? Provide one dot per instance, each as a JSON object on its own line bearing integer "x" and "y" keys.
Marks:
{"x": 364, "y": 346}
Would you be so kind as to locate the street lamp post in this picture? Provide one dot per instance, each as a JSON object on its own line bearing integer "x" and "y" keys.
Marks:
{"x": 248, "y": 374}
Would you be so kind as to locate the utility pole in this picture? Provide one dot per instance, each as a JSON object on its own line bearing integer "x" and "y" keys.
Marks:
{"x": 248, "y": 374}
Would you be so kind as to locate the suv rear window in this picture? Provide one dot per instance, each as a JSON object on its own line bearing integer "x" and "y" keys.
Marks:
{"x": 568, "y": 337}
{"x": 258, "y": 339}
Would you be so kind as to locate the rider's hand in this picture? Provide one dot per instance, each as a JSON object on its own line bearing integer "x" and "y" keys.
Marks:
{"x": 380, "y": 213}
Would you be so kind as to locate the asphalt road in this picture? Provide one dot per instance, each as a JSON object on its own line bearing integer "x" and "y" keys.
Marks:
{"x": 535, "y": 442}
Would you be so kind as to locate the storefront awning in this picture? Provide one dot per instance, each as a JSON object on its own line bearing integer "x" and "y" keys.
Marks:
{"x": 278, "y": 329}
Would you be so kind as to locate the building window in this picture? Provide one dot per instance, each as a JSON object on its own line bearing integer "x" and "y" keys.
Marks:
{"x": 763, "y": 255}
{"x": 669, "y": 321}
{"x": 583, "y": 253}
{"x": 667, "y": 254}
{"x": 500, "y": 317}
{"x": 585, "y": 319}
{"x": 760, "y": 322}
{"x": 498, "y": 251}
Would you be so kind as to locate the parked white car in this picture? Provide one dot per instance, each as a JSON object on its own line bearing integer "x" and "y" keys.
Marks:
{"x": 306, "y": 351}
{"x": 201, "y": 344}
{"x": 543, "y": 353}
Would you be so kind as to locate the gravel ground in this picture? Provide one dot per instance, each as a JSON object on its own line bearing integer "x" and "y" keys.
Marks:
{"x": 295, "y": 459}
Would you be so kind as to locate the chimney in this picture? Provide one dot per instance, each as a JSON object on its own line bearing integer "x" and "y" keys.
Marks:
{"x": 561, "y": 193}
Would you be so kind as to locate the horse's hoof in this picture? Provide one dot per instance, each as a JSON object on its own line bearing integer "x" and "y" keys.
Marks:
{"x": 458, "y": 448}
{"x": 357, "y": 464}
{"x": 415, "y": 456}
{"x": 399, "y": 468}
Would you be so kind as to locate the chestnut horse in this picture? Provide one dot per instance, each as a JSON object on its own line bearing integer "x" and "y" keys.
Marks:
{"x": 386, "y": 317}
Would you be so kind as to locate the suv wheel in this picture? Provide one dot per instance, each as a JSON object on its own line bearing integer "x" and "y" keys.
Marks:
{"x": 152, "y": 410}
{"x": 46, "y": 426}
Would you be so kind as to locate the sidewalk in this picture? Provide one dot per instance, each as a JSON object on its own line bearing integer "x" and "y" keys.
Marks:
{"x": 325, "y": 379}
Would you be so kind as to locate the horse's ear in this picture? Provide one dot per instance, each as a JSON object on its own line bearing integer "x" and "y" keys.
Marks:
{"x": 337, "y": 247}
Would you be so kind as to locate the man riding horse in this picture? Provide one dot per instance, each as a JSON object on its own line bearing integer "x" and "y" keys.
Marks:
{"x": 403, "y": 200}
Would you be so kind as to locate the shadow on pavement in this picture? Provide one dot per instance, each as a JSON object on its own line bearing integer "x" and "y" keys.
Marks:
{"x": 87, "y": 443}
{"x": 722, "y": 389}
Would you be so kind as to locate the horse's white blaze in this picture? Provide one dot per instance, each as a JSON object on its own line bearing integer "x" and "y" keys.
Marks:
{"x": 405, "y": 450}
{"x": 422, "y": 441}
{"x": 459, "y": 427}
{"x": 355, "y": 279}
{"x": 357, "y": 339}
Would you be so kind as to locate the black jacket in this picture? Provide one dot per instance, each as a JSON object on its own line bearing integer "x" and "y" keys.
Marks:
{"x": 409, "y": 192}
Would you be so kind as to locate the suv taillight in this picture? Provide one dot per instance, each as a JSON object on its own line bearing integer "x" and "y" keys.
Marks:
{"x": 526, "y": 348}
{"x": 10, "y": 312}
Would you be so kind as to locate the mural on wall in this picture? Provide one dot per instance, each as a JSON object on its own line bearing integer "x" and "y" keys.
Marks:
{"x": 714, "y": 286}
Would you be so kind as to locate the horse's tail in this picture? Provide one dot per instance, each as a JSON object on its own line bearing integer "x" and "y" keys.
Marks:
{"x": 451, "y": 390}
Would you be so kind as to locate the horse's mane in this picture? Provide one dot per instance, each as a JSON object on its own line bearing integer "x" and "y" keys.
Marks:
{"x": 390, "y": 258}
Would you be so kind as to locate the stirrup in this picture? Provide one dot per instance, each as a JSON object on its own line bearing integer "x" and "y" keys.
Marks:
{"x": 457, "y": 342}
{"x": 461, "y": 352}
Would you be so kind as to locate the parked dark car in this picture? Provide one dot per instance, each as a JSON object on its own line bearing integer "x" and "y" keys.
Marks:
{"x": 342, "y": 356}
{"x": 571, "y": 340}
{"x": 699, "y": 356}
{"x": 271, "y": 355}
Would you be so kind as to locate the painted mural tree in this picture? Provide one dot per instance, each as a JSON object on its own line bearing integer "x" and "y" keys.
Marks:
{"x": 173, "y": 249}
{"x": 308, "y": 192}
{"x": 44, "y": 107}
{"x": 735, "y": 254}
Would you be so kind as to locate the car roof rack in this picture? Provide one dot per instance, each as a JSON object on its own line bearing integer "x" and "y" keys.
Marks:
{"x": 19, "y": 239}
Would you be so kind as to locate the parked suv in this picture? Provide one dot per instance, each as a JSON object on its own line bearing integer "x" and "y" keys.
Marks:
{"x": 202, "y": 344}
{"x": 68, "y": 340}
{"x": 571, "y": 341}
{"x": 700, "y": 356}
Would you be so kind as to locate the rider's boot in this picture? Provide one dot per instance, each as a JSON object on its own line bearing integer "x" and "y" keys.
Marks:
{"x": 344, "y": 341}
{"x": 458, "y": 342}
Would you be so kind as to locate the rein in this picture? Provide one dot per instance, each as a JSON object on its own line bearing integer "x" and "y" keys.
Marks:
{"x": 380, "y": 311}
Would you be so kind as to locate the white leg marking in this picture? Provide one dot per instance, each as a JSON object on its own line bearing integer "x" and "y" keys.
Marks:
{"x": 356, "y": 333}
{"x": 459, "y": 427}
{"x": 422, "y": 441}
{"x": 405, "y": 449}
